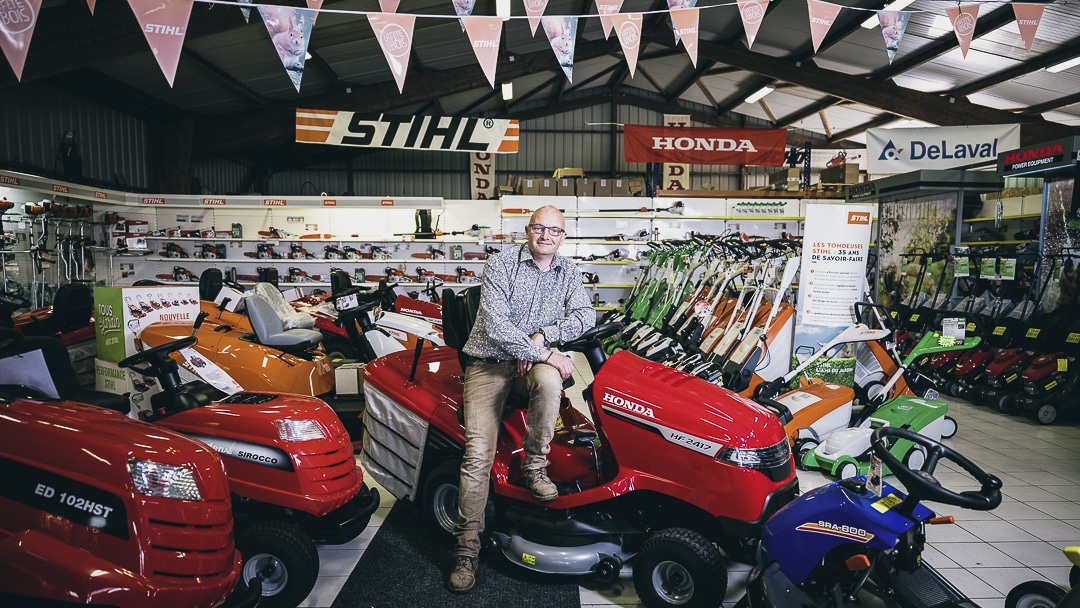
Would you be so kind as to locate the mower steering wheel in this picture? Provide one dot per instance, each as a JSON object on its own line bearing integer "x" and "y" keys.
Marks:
{"x": 921, "y": 483}
{"x": 156, "y": 359}
{"x": 585, "y": 340}
{"x": 354, "y": 313}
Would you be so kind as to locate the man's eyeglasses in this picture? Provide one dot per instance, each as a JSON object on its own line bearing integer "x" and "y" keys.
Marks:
{"x": 540, "y": 228}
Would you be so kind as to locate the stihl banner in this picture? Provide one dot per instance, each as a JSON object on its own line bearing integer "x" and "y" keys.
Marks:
{"x": 438, "y": 134}
{"x": 704, "y": 146}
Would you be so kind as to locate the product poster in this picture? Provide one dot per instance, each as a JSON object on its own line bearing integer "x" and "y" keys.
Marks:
{"x": 926, "y": 224}
{"x": 832, "y": 278}
{"x": 121, "y": 313}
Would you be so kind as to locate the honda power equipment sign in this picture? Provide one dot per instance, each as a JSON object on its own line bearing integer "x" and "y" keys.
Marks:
{"x": 1041, "y": 157}
{"x": 902, "y": 150}
{"x": 438, "y": 134}
{"x": 703, "y": 146}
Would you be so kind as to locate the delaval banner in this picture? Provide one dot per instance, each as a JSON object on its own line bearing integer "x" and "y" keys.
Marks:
{"x": 832, "y": 278}
{"x": 902, "y": 150}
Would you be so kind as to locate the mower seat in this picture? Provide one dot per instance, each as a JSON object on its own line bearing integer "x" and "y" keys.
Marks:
{"x": 63, "y": 374}
{"x": 71, "y": 309}
{"x": 148, "y": 283}
{"x": 339, "y": 281}
{"x": 270, "y": 331}
{"x": 210, "y": 283}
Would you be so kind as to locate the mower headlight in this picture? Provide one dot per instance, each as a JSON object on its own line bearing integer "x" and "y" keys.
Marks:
{"x": 299, "y": 430}
{"x": 757, "y": 458}
{"x": 163, "y": 480}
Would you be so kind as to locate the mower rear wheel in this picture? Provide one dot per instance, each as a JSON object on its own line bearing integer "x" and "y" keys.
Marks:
{"x": 802, "y": 448}
{"x": 949, "y": 427}
{"x": 339, "y": 351}
{"x": 848, "y": 469}
{"x": 1007, "y": 405}
{"x": 284, "y": 556}
{"x": 680, "y": 567}
{"x": 1034, "y": 594}
{"x": 915, "y": 458}
{"x": 1047, "y": 413}
{"x": 439, "y": 497}
{"x": 875, "y": 393}
{"x": 953, "y": 389}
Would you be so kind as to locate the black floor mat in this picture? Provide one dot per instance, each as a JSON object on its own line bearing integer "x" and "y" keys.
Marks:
{"x": 404, "y": 567}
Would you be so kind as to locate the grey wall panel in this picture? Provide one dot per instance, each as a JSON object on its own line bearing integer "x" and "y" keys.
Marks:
{"x": 223, "y": 177}
{"x": 113, "y": 146}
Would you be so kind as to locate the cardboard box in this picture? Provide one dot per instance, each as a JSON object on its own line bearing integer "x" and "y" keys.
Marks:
{"x": 602, "y": 187}
{"x": 141, "y": 226}
{"x": 620, "y": 187}
{"x": 584, "y": 186}
{"x": 789, "y": 178}
{"x": 566, "y": 186}
{"x": 636, "y": 185}
{"x": 548, "y": 187}
{"x": 844, "y": 174}
{"x": 349, "y": 379}
{"x": 530, "y": 187}
{"x": 568, "y": 172}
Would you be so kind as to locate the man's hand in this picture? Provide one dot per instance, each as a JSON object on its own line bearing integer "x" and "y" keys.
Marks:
{"x": 563, "y": 363}
{"x": 524, "y": 366}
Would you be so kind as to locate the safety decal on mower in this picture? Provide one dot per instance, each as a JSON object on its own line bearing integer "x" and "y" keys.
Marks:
{"x": 843, "y": 531}
{"x": 886, "y": 503}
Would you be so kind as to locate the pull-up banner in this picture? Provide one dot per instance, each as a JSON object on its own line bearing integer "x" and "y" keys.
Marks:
{"x": 704, "y": 146}
{"x": 434, "y": 133}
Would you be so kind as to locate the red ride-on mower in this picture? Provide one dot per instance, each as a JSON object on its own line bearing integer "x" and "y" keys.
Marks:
{"x": 100, "y": 509}
{"x": 1050, "y": 380}
{"x": 672, "y": 469}
{"x": 292, "y": 475}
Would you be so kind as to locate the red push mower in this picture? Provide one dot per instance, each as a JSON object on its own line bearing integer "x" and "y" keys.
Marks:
{"x": 670, "y": 470}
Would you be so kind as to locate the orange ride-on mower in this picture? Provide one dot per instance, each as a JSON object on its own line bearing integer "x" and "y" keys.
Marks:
{"x": 292, "y": 475}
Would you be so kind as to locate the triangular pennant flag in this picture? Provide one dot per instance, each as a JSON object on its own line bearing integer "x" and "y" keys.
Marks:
{"x": 389, "y": 6}
{"x": 893, "y": 24}
{"x": 395, "y": 35}
{"x": 605, "y": 8}
{"x": 246, "y": 12}
{"x": 91, "y": 4}
{"x": 674, "y": 5}
{"x": 290, "y": 31}
{"x": 164, "y": 22}
{"x": 752, "y": 12}
{"x": 16, "y": 29}
{"x": 1028, "y": 17}
{"x": 485, "y": 34}
{"x": 314, "y": 5}
{"x": 822, "y": 16}
{"x": 686, "y": 26}
{"x": 562, "y": 34}
{"x": 535, "y": 10}
{"x": 963, "y": 23}
{"x": 628, "y": 29}
{"x": 463, "y": 8}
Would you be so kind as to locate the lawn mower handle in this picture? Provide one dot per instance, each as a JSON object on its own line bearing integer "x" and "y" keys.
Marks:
{"x": 921, "y": 484}
{"x": 886, "y": 315}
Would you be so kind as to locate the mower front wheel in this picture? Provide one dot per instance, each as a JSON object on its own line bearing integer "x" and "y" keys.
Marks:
{"x": 439, "y": 498}
{"x": 284, "y": 556}
{"x": 846, "y": 470}
{"x": 1046, "y": 414}
{"x": 949, "y": 427}
{"x": 802, "y": 448}
{"x": 1034, "y": 594}
{"x": 680, "y": 567}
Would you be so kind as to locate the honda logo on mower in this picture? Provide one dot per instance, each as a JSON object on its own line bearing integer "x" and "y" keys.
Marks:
{"x": 628, "y": 405}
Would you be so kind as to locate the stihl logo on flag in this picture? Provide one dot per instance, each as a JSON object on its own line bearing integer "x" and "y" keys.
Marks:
{"x": 857, "y": 217}
{"x": 438, "y": 134}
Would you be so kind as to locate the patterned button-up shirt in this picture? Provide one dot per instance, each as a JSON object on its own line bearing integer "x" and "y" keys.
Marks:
{"x": 518, "y": 300}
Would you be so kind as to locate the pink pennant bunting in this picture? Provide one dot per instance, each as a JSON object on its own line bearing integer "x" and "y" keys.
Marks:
{"x": 314, "y": 5}
{"x": 395, "y": 35}
{"x": 1028, "y": 17}
{"x": 389, "y": 6}
{"x": 562, "y": 34}
{"x": 893, "y": 25}
{"x": 245, "y": 11}
{"x": 91, "y": 4}
{"x": 485, "y": 34}
{"x": 604, "y": 8}
{"x": 290, "y": 31}
{"x": 686, "y": 24}
{"x": 535, "y": 10}
{"x": 16, "y": 28}
{"x": 628, "y": 29}
{"x": 164, "y": 22}
{"x": 822, "y": 16}
{"x": 675, "y": 5}
{"x": 752, "y": 12}
{"x": 963, "y": 23}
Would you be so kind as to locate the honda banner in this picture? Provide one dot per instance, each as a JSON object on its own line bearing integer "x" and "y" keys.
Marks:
{"x": 704, "y": 146}
{"x": 438, "y": 134}
{"x": 903, "y": 150}
{"x": 482, "y": 176}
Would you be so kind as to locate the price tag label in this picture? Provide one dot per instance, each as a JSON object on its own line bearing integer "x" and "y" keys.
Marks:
{"x": 1032, "y": 332}
{"x": 999, "y": 330}
{"x": 962, "y": 266}
{"x": 1073, "y": 338}
{"x": 1063, "y": 365}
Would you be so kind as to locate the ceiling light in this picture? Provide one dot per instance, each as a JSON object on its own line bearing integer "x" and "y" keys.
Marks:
{"x": 502, "y": 9}
{"x": 507, "y": 91}
{"x": 760, "y": 94}
{"x": 872, "y": 22}
{"x": 1064, "y": 65}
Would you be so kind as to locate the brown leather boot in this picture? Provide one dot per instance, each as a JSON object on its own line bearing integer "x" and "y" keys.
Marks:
{"x": 463, "y": 576}
{"x": 536, "y": 480}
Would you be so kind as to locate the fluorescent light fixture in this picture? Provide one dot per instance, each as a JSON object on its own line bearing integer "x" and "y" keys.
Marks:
{"x": 507, "y": 91}
{"x": 899, "y": 5}
{"x": 1064, "y": 65}
{"x": 502, "y": 9}
{"x": 760, "y": 94}
{"x": 940, "y": 26}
